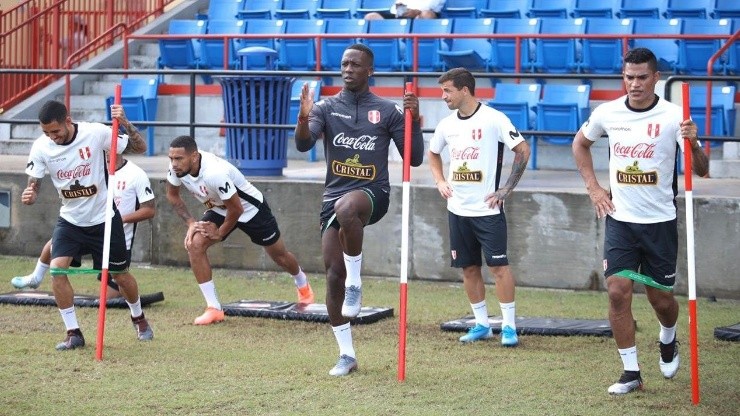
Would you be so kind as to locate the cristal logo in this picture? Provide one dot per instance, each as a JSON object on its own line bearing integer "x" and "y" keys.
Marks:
{"x": 78, "y": 172}
{"x": 363, "y": 142}
{"x": 640, "y": 150}
{"x": 469, "y": 153}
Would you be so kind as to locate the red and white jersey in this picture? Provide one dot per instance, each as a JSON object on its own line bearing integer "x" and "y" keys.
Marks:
{"x": 131, "y": 188}
{"x": 77, "y": 170}
{"x": 218, "y": 180}
{"x": 476, "y": 145}
{"x": 643, "y": 149}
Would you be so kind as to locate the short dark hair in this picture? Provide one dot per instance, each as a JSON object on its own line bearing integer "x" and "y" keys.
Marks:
{"x": 460, "y": 78}
{"x": 53, "y": 111}
{"x": 186, "y": 142}
{"x": 641, "y": 56}
{"x": 363, "y": 48}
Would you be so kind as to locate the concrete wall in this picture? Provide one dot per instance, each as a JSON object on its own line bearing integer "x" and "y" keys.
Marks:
{"x": 554, "y": 239}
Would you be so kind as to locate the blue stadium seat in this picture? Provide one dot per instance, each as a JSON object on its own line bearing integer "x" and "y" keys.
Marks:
{"x": 182, "y": 53}
{"x": 390, "y": 54}
{"x": 372, "y": 6}
{"x": 139, "y": 101}
{"x": 503, "y": 50}
{"x": 505, "y": 9}
{"x": 297, "y": 9}
{"x": 666, "y": 50}
{"x": 559, "y": 55}
{"x": 262, "y": 27}
{"x": 594, "y": 8}
{"x": 471, "y": 53}
{"x": 604, "y": 56}
{"x": 221, "y": 10}
{"x": 518, "y": 102}
{"x": 258, "y": 9}
{"x": 336, "y": 9}
{"x": 550, "y": 8}
{"x": 212, "y": 50}
{"x": 462, "y": 8}
{"x": 694, "y": 54}
{"x": 428, "y": 58}
{"x": 642, "y": 8}
{"x": 332, "y": 49}
{"x": 562, "y": 108}
{"x": 733, "y": 52}
{"x": 300, "y": 54}
{"x": 726, "y": 9}
{"x": 687, "y": 9}
{"x": 722, "y": 110}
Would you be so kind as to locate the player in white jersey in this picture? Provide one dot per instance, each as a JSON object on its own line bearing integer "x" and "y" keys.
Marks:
{"x": 475, "y": 135}
{"x": 645, "y": 134}
{"x": 134, "y": 199}
{"x": 232, "y": 202}
{"x": 74, "y": 156}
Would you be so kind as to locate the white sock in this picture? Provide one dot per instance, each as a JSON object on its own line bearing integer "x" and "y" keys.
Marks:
{"x": 209, "y": 292}
{"x": 508, "y": 314}
{"x": 629, "y": 358}
{"x": 343, "y": 334}
{"x": 667, "y": 334}
{"x": 70, "y": 318}
{"x": 135, "y": 308}
{"x": 300, "y": 278}
{"x": 480, "y": 311}
{"x": 40, "y": 271}
{"x": 353, "y": 264}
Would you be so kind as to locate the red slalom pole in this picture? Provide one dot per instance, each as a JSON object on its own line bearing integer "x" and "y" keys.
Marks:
{"x": 404, "y": 239}
{"x": 693, "y": 322}
{"x": 112, "y": 155}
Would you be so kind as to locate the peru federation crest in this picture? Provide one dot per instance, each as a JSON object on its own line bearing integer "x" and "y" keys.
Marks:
{"x": 373, "y": 116}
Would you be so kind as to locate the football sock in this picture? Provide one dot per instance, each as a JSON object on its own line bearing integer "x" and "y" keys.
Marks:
{"x": 508, "y": 314}
{"x": 300, "y": 278}
{"x": 209, "y": 292}
{"x": 667, "y": 334}
{"x": 135, "y": 308}
{"x": 480, "y": 311}
{"x": 353, "y": 264}
{"x": 629, "y": 358}
{"x": 343, "y": 334}
{"x": 70, "y": 318}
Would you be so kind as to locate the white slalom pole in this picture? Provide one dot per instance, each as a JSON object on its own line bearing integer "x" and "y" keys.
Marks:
{"x": 404, "y": 241}
{"x": 112, "y": 155}
{"x": 690, "y": 255}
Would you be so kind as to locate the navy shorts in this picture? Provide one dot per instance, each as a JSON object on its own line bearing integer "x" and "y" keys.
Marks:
{"x": 379, "y": 199}
{"x": 650, "y": 249}
{"x": 262, "y": 229}
{"x": 70, "y": 240}
{"x": 470, "y": 235}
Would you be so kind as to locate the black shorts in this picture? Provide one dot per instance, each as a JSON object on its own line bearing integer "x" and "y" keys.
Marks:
{"x": 70, "y": 240}
{"x": 379, "y": 199}
{"x": 262, "y": 229}
{"x": 650, "y": 249}
{"x": 470, "y": 235}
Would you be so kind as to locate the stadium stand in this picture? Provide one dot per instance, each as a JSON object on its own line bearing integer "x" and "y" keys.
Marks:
{"x": 471, "y": 53}
{"x": 594, "y": 8}
{"x": 652, "y": 9}
{"x": 726, "y": 9}
{"x": 559, "y": 55}
{"x": 332, "y": 49}
{"x": 666, "y": 50}
{"x": 300, "y": 54}
{"x": 518, "y": 102}
{"x": 336, "y": 9}
{"x": 296, "y": 9}
{"x": 693, "y": 54}
{"x": 182, "y": 53}
{"x": 139, "y": 97}
{"x": 505, "y": 9}
{"x": 212, "y": 50}
{"x": 390, "y": 54}
{"x": 562, "y": 108}
{"x": 503, "y": 50}
{"x": 222, "y": 10}
{"x": 687, "y": 9}
{"x": 370, "y": 6}
{"x": 722, "y": 109}
{"x": 429, "y": 59}
{"x": 258, "y": 9}
{"x": 462, "y": 8}
{"x": 604, "y": 56}
{"x": 262, "y": 27}
{"x": 550, "y": 8}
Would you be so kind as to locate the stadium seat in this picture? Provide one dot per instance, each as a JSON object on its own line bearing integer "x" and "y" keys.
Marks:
{"x": 550, "y": 8}
{"x": 428, "y": 59}
{"x": 726, "y": 9}
{"x": 336, "y": 9}
{"x": 139, "y": 101}
{"x": 733, "y": 52}
{"x": 258, "y": 9}
{"x": 370, "y": 6}
{"x": 212, "y": 50}
{"x": 687, "y": 9}
{"x": 604, "y": 56}
{"x": 182, "y": 53}
{"x": 503, "y": 50}
{"x": 666, "y": 50}
{"x": 694, "y": 54}
{"x": 300, "y": 54}
{"x": 518, "y": 102}
{"x": 559, "y": 55}
{"x": 262, "y": 27}
{"x": 642, "y": 8}
{"x": 562, "y": 108}
{"x": 390, "y": 54}
{"x": 723, "y": 109}
{"x": 471, "y": 53}
{"x": 462, "y": 8}
{"x": 297, "y": 9}
{"x": 332, "y": 49}
{"x": 222, "y": 10}
{"x": 594, "y": 8}
{"x": 505, "y": 9}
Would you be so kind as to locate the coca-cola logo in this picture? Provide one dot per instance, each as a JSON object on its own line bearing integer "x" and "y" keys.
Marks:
{"x": 78, "y": 172}
{"x": 363, "y": 142}
{"x": 468, "y": 153}
{"x": 638, "y": 151}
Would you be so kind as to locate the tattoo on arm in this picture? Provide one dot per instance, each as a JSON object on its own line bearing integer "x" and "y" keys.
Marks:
{"x": 182, "y": 211}
{"x": 517, "y": 170}
{"x": 136, "y": 143}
